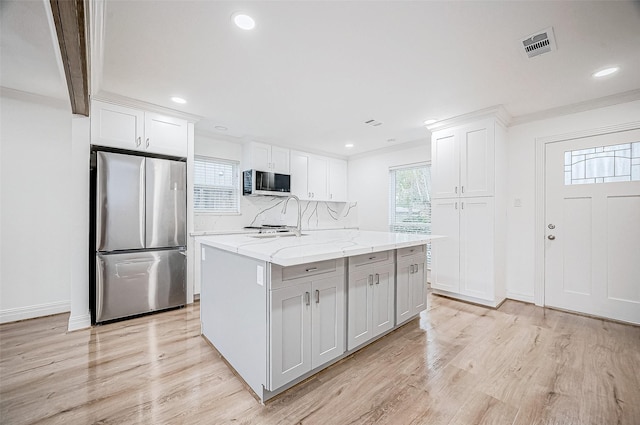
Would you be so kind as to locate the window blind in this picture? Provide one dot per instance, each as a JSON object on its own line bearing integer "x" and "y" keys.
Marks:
{"x": 215, "y": 185}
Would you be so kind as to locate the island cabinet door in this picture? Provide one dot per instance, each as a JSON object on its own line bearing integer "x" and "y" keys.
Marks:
{"x": 418, "y": 287}
{"x": 403, "y": 291}
{"x": 382, "y": 299}
{"x": 327, "y": 320}
{"x": 359, "y": 302}
{"x": 290, "y": 334}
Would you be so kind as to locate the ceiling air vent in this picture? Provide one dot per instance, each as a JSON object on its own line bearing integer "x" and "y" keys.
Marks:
{"x": 539, "y": 43}
{"x": 373, "y": 123}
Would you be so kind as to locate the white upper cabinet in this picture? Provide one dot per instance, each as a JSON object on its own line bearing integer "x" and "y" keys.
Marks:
{"x": 129, "y": 128}
{"x": 164, "y": 134}
{"x": 264, "y": 157}
{"x": 338, "y": 180}
{"x": 318, "y": 178}
{"x": 463, "y": 160}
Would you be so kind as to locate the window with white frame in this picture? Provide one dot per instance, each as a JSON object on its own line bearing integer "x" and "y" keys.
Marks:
{"x": 216, "y": 188}
{"x": 410, "y": 200}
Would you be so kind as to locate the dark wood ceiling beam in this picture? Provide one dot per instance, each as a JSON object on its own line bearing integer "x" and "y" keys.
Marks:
{"x": 69, "y": 18}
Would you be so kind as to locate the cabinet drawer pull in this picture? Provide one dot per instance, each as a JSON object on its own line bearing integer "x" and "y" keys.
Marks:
{"x": 317, "y": 296}
{"x": 311, "y": 269}
{"x": 307, "y": 298}
{"x": 377, "y": 279}
{"x": 372, "y": 258}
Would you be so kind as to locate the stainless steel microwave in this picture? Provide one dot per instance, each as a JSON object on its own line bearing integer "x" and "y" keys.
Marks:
{"x": 266, "y": 183}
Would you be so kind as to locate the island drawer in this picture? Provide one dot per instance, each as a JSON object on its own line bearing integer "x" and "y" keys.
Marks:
{"x": 370, "y": 258}
{"x": 283, "y": 276}
{"x": 411, "y": 250}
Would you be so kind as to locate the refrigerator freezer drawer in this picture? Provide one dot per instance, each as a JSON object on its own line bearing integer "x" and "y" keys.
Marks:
{"x": 135, "y": 283}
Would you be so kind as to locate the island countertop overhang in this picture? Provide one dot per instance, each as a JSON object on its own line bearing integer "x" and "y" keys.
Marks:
{"x": 314, "y": 246}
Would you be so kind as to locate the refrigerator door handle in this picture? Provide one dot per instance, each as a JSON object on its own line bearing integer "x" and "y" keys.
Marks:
{"x": 142, "y": 202}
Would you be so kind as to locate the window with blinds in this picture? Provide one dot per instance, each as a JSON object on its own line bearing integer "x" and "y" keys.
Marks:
{"x": 410, "y": 200}
{"x": 216, "y": 188}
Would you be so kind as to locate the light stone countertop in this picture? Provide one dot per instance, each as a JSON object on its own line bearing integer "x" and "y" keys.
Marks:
{"x": 314, "y": 246}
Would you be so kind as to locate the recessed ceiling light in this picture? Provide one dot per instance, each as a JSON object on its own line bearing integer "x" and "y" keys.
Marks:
{"x": 221, "y": 128}
{"x": 605, "y": 72}
{"x": 243, "y": 21}
{"x": 179, "y": 100}
{"x": 430, "y": 121}
{"x": 348, "y": 145}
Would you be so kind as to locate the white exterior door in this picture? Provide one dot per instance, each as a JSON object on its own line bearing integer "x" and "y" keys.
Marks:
{"x": 592, "y": 225}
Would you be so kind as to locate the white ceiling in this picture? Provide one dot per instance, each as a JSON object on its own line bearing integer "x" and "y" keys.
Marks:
{"x": 312, "y": 72}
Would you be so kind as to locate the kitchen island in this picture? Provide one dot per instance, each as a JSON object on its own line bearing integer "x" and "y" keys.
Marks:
{"x": 281, "y": 308}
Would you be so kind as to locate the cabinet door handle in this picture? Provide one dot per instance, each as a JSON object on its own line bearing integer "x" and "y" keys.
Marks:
{"x": 462, "y": 189}
{"x": 377, "y": 279}
{"x": 456, "y": 205}
{"x": 462, "y": 205}
{"x": 307, "y": 298}
{"x": 138, "y": 141}
{"x": 456, "y": 190}
{"x": 317, "y": 296}
{"x": 147, "y": 142}
{"x": 411, "y": 269}
{"x": 370, "y": 279}
{"x": 311, "y": 269}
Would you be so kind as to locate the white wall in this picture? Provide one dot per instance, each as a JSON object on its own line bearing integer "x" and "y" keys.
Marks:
{"x": 369, "y": 180}
{"x": 521, "y": 185}
{"x": 35, "y": 220}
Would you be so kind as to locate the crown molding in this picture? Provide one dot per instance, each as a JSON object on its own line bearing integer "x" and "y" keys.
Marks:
{"x": 53, "y": 102}
{"x": 574, "y": 108}
{"x": 498, "y": 112}
{"x": 96, "y": 17}
{"x": 393, "y": 148}
{"x": 117, "y": 99}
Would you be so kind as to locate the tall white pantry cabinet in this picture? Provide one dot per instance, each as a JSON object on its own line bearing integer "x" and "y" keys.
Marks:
{"x": 469, "y": 207}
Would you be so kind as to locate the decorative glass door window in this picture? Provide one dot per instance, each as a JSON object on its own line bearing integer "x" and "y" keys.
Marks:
{"x": 605, "y": 164}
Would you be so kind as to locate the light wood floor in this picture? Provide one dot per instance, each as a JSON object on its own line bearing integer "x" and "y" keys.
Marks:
{"x": 457, "y": 364}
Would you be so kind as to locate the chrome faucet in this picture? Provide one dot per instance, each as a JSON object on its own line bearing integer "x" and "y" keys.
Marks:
{"x": 284, "y": 211}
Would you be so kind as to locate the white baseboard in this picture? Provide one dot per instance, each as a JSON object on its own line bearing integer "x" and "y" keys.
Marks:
{"x": 520, "y": 297}
{"x": 32, "y": 311}
{"x": 79, "y": 322}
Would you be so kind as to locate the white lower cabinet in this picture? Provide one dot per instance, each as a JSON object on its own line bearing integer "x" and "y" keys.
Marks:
{"x": 411, "y": 285}
{"x": 465, "y": 263}
{"x": 371, "y": 290}
{"x": 306, "y": 328}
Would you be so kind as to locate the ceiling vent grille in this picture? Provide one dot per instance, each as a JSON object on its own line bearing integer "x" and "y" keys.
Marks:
{"x": 539, "y": 43}
{"x": 373, "y": 123}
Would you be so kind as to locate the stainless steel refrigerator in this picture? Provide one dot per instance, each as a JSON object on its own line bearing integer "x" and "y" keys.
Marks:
{"x": 140, "y": 235}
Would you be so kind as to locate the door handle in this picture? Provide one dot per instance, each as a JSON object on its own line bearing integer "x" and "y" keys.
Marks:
{"x": 317, "y": 296}
{"x": 551, "y": 237}
{"x": 377, "y": 279}
{"x": 138, "y": 141}
{"x": 411, "y": 269}
{"x": 370, "y": 280}
{"x": 147, "y": 142}
{"x": 307, "y": 298}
